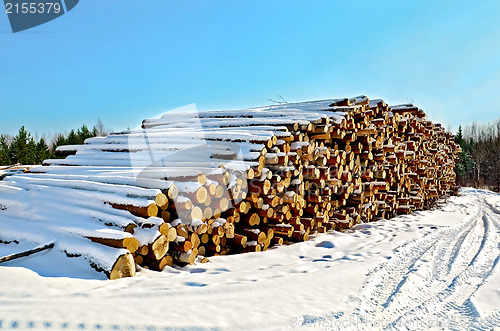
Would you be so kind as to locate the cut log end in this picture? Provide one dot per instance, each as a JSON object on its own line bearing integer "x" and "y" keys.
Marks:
{"x": 161, "y": 201}
{"x": 123, "y": 267}
{"x": 160, "y": 247}
{"x": 173, "y": 192}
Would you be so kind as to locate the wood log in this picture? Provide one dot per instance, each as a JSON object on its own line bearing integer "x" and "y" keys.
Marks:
{"x": 29, "y": 252}
{"x": 129, "y": 243}
{"x": 123, "y": 267}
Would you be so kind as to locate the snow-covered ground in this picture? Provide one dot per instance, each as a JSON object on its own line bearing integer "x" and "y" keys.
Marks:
{"x": 431, "y": 270}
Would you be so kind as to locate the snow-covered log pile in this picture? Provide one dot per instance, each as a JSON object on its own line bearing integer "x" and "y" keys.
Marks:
{"x": 193, "y": 185}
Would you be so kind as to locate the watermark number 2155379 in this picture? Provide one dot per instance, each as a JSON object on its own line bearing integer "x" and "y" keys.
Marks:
{"x": 26, "y": 14}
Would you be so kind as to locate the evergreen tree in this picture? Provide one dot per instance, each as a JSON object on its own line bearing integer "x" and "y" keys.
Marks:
{"x": 459, "y": 137}
{"x": 31, "y": 155}
{"x": 73, "y": 138}
{"x": 59, "y": 141}
{"x": 465, "y": 166}
{"x": 4, "y": 152}
{"x": 84, "y": 133}
{"x": 18, "y": 151}
{"x": 42, "y": 151}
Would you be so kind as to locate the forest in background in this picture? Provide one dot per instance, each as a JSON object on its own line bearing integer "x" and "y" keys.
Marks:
{"x": 479, "y": 164}
{"x": 23, "y": 148}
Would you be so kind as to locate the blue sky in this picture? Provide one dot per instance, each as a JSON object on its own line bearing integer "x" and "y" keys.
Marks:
{"x": 126, "y": 60}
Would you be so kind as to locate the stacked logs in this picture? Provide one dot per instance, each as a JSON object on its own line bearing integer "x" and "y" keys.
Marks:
{"x": 221, "y": 182}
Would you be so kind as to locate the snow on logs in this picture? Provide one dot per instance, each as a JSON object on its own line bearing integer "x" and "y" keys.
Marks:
{"x": 196, "y": 185}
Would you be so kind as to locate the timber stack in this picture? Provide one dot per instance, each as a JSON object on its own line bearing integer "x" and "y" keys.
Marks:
{"x": 193, "y": 185}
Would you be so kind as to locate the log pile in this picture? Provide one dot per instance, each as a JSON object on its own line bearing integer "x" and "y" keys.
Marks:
{"x": 190, "y": 186}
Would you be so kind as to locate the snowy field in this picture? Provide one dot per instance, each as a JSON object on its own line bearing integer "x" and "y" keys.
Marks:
{"x": 431, "y": 270}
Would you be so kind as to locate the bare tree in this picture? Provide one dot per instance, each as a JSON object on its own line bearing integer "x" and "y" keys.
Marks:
{"x": 278, "y": 101}
{"x": 483, "y": 143}
{"x": 99, "y": 127}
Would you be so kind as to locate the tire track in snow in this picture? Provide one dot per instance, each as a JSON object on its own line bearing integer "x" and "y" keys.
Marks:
{"x": 386, "y": 282}
{"x": 432, "y": 279}
{"x": 447, "y": 255}
{"x": 452, "y": 300}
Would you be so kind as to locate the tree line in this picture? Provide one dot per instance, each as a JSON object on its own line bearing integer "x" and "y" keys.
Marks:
{"x": 479, "y": 164}
{"x": 23, "y": 148}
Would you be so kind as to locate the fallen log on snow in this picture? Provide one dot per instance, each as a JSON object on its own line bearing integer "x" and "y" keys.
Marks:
{"x": 29, "y": 252}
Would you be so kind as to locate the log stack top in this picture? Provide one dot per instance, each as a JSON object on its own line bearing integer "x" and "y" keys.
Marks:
{"x": 190, "y": 185}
